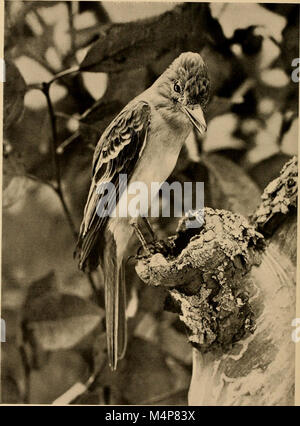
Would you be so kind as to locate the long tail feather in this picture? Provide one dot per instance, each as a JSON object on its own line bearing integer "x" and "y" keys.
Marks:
{"x": 122, "y": 327}
{"x": 115, "y": 302}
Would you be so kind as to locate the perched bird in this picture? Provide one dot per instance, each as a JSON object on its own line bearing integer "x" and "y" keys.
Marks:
{"x": 143, "y": 142}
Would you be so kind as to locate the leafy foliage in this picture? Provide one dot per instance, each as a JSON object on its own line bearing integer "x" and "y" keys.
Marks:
{"x": 60, "y": 56}
{"x": 13, "y": 94}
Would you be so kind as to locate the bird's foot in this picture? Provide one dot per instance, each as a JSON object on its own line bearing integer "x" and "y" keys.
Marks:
{"x": 149, "y": 228}
{"x": 152, "y": 247}
{"x": 157, "y": 246}
{"x": 139, "y": 235}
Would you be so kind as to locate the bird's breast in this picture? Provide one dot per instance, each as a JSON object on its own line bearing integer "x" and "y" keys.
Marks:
{"x": 161, "y": 151}
{"x": 155, "y": 165}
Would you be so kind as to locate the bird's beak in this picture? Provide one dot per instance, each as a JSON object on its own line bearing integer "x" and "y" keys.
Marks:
{"x": 197, "y": 118}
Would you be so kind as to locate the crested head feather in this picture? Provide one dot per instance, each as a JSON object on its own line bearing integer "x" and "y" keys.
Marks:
{"x": 188, "y": 63}
{"x": 190, "y": 72}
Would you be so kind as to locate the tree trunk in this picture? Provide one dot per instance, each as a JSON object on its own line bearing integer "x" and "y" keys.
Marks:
{"x": 233, "y": 283}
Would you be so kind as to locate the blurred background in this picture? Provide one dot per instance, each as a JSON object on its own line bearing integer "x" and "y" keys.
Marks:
{"x": 54, "y": 314}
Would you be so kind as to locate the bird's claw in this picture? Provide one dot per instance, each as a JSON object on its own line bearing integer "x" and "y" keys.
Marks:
{"x": 149, "y": 227}
{"x": 156, "y": 246}
{"x": 140, "y": 236}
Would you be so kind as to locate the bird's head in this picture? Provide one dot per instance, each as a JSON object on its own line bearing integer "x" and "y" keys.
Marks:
{"x": 184, "y": 88}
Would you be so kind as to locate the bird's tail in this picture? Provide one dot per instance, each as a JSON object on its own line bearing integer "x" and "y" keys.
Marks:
{"x": 115, "y": 302}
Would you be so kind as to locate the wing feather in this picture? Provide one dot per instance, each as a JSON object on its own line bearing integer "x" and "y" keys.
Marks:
{"x": 117, "y": 151}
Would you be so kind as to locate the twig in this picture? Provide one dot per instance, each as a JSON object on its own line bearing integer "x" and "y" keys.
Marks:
{"x": 77, "y": 390}
{"x": 26, "y": 367}
{"x": 92, "y": 108}
{"x": 33, "y": 86}
{"x": 71, "y": 26}
{"x": 77, "y": 118}
{"x": 56, "y": 160}
{"x": 64, "y": 73}
{"x": 57, "y": 175}
{"x": 61, "y": 149}
{"x": 52, "y": 116}
{"x": 37, "y": 86}
{"x": 55, "y": 151}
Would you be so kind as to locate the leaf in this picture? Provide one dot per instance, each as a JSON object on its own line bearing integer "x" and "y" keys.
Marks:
{"x": 236, "y": 16}
{"x": 218, "y": 106}
{"x": 14, "y": 191}
{"x": 290, "y": 42}
{"x": 96, "y": 121}
{"x": 289, "y": 143}
{"x": 146, "y": 374}
{"x": 136, "y": 44}
{"x": 220, "y": 133}
{"x": 60, "y": 321}
{"x": 14, "y": 182}
{"x": 11, "y": 393}
{"x": 268, "y": 169}
{"x": 175, "y": 344}
{"x": 14, "y": 91}
{"x": 283, "y": 9}
{"x": 230, "y": 187}
{"x": 32, "y": 71}
{"x": 147, "y": 328}
{"x": 12, "y": 374}
{"x": 95, "y": 83}
{"x": 41, "y": 287}
{"x": 63, "y": 370}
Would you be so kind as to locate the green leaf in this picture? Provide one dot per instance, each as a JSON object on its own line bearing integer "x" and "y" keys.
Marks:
{"x": 14, "y": 91}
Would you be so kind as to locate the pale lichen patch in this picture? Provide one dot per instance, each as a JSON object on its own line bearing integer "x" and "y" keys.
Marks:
{"x": 278, "y": 199}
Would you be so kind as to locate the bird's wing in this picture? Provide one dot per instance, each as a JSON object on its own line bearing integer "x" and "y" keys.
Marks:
{"x": 118, "y": 151}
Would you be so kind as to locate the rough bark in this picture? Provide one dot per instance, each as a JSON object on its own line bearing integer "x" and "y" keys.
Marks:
{"x": 232, "y": 282}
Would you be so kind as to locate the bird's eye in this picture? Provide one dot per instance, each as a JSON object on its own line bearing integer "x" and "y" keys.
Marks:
{"x": 177, "y": 88}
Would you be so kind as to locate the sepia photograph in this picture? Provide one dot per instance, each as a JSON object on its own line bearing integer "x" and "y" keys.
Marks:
{"x": 149, "y": 206}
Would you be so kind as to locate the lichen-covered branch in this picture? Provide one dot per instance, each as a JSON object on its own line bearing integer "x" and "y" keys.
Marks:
{"x": 278, "y": 200}
{"x": 234, "y": 290}
{"x": 208, "y": 277}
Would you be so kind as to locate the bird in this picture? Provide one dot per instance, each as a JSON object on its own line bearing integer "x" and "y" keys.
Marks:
{"x": 142, "y": 142}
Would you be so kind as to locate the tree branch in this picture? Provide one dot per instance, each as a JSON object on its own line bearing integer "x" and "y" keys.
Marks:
{"x": 234, "y": 291}
{"x": 57, "y": 175}
{"x": 56, "y": 161}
